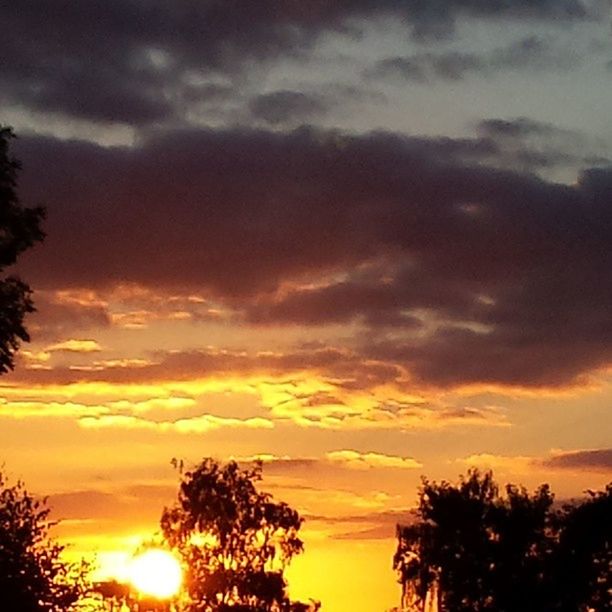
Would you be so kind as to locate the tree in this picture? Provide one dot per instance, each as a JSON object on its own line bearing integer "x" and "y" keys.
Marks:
{"x": 582, "y": 563}
{"x": 473, "y": 549}
{"x": 19, "y": 230}
{"x": 235, "y": 540}
{"x": 33, "y": 578}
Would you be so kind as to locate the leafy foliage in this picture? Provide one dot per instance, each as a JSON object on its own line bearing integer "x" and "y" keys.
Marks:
{"x": 235, "y": 540}
{"x": 19, "y": 230}
{"x": 473, "y": 549}
{"x": 33, "y": 578}
{"x": 583, "y": 559}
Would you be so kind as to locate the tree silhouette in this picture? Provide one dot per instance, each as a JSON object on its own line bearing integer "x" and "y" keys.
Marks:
{"x": 235, "y": 540}
{"x": 19, "y": 230}
{"x": 472, "y": 549}
{"x": 583, "y": 556}
{"x": 33, "y": 578}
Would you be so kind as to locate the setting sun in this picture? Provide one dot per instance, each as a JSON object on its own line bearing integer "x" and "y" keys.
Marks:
{"x": 156, "y": 573}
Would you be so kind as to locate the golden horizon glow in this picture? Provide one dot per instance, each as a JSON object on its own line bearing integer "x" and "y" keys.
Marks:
{"x": 156, "y": 573}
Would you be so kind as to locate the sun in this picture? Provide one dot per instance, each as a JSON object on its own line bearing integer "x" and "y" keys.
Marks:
{"x": 156, "y": 573}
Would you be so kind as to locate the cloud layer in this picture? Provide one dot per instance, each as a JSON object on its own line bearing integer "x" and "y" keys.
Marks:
{"x": 154, "y": 59}
{"x": 466, "y": 272}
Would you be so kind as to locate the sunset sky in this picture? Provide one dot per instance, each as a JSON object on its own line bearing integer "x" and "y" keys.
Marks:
{"x": 363, "y": 240}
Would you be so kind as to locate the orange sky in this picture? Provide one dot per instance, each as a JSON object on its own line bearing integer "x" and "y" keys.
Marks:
{"x": 363, "y": 241}
{"x": 105, "y": 421}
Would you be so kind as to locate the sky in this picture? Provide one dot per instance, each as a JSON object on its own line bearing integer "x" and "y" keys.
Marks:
{"x": 364, "y": 241}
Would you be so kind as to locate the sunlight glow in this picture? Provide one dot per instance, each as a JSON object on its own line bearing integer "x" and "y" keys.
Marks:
{"x": 156, "y": 573}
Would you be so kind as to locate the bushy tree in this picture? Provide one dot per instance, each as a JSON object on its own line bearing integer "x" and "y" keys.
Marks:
{"x": 473, "y": 549}
{"x": 582, "y": 563}
{"x": 235, "y": 540}
{"x": 33, "y": 577}
{"x": 19, "y": 230}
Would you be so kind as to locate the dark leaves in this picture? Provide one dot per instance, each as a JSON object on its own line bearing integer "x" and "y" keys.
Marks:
{"x": 19, "y": 230}
{"x": 33, "y": 578}
{"x": 236, "y": 541}
{"x": 482, "y": 551}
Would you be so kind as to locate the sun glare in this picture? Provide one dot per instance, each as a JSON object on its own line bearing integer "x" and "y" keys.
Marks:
{"x": 156, "y": 573}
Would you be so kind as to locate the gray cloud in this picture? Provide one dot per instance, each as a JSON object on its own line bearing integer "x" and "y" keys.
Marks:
{"x": 285, "y": 106}
{"x": 133, "y": 62}
{"x": 525, "y": 144}
{"x": 521, "y": 127}
{"x": 529, "y": 53}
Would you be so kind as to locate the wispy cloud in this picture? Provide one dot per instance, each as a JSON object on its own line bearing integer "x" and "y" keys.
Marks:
{"x": 74, "y": 346}
{"x": 589, "y": 460}
{"x": 345, "y": 458}
{"x": 200, "y": 424}
{"x": 356, "y": 460}
{"x": 531, "y": 53}
{"x": 595, "y": 460}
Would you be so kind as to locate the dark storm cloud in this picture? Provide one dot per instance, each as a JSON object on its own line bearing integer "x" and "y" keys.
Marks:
{"x": 478, "y": 274}
{"x": 599, "y": 460}
{"x": 530, "y": 53}
{"x": 287, "y": 106}
{"x": 136, "y": 62}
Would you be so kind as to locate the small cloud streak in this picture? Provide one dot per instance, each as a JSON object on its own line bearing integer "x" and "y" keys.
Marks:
{"x": 595, "y": 460}
{"x": 74, "y": 346}
{"x": 530, "y": 53}
{"x": 346, "y": 459}
{"x": 360, "y": 461}
{"x": 195, "y": 425}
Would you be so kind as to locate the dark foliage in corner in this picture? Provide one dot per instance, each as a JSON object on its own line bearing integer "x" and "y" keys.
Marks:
{"x": 33, "y": 577}
{"x": 19, "y": 230}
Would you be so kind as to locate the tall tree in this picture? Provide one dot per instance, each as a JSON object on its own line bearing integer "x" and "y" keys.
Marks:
{"x": 20, "y": 228}
{"x": 33, "y": 577}
{"x": 582, "y": 563}
{"x": 475, "y": 549}
{"x": 235, "y": 540}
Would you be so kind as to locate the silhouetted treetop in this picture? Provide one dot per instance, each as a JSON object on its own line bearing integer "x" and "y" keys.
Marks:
{"x": 472, "y": 549}
{"x": 235, "y": 540}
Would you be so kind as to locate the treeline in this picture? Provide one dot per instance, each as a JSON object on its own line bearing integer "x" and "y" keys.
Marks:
{"x": 466, "y": 548}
